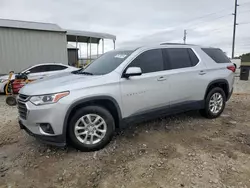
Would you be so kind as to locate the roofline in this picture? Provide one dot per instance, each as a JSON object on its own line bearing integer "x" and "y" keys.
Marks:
{"x": 27, "y": 21}
{"x": 33, "y": 29}
{"x": 29, "y": 28}
{"x": 52, "y": 27}
{"x": 90, "y": 34}
{"x": 177, "y": 44}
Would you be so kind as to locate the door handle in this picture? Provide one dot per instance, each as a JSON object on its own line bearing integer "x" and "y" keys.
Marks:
{"x": 202, "y": 72}
{"x": 162, "y": 78}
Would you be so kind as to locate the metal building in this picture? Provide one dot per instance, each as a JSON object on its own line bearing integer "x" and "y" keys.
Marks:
{"x": 72, "y": 55}
{"x": 23, "y": 44}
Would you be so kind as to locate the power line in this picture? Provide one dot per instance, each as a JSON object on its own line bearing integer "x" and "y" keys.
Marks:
{"x": 219, "y": 29}
{"x": 197, "y": 25}
{"x": 209, "y": 16}
{"x": 244, "y": 11}
{"x": 244, "y": 23}
{"x": 201, "y": 17}
{"x": 244, "y": 3}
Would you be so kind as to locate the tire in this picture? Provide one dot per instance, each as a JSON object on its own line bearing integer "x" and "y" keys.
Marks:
{"x": 11, "y": 100}
{"x": 207, "y": 111}
{"x": 80, "y": 120}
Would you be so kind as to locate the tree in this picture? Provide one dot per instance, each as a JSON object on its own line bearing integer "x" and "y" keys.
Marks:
{"x": 245, "y": 57}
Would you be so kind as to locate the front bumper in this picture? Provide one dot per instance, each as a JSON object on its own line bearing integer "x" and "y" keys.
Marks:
{"x": 58, "y": 140}
{"x": 31, "y": 118}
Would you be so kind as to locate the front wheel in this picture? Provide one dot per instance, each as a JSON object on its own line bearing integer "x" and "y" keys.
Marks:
{"x": 91, "y": 128}
{"x": 11, "y": 100}
{"x": 214, "y": 103}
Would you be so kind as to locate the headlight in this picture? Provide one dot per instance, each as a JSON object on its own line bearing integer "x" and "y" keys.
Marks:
{"x": 48, "y": 99}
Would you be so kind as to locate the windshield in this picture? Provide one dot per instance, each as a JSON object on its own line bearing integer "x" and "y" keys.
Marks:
{"x": 106, "y": 63}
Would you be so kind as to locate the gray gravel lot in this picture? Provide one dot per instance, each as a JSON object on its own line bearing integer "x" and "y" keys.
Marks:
{"x": 184, "y": 150}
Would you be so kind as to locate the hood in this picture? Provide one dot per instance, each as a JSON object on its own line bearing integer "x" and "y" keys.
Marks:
{"x": 58, "y": 83}
{"x": 6, "y": 77}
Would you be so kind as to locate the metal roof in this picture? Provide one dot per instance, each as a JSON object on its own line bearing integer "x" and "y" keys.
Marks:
{"x": 5, "y": 23}
{"x": 86, "y": 36}
{"x": 72, "y": 35}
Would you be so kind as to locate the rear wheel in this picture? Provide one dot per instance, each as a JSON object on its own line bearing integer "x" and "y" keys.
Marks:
{"x": 214, "y": 103}
{"x": 91, "y": 128}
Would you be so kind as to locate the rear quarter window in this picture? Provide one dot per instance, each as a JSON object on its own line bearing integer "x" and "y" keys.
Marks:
{"x": 217, "y": 55}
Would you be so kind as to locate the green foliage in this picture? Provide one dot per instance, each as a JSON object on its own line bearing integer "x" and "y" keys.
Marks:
{"x": 245, "y": 57}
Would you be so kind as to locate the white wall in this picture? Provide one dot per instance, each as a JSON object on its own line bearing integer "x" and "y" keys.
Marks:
{"x": 20, "y": 48}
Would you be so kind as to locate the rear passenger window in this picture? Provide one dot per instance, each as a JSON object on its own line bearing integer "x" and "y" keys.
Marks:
{"x": 217, "y": 55}
{"x": 56, "y": 67}
{"x": 149, "y": 61}
{"x": 193, "y": 57}
{"x": 181, "y": 57}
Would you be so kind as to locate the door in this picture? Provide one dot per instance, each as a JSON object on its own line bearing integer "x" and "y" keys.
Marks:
{"x": 145, "y": 93}
{"x": 37, "y": 72}
{"x": 186, "y": 76}
{"x": 41, "y": 71}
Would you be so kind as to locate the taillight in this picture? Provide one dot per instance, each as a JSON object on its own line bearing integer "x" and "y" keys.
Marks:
{"x": 232, "y": 68}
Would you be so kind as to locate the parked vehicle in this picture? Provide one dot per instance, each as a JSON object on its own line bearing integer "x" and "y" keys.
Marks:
{"x": 13, "y": 86}
{"x": 123, "y": 86}
{"x": 37, "y": 72}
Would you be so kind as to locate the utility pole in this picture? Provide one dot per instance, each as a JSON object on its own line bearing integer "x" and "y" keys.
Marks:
{"x": 185, "y": 36}
{"x": 235, "y": 24}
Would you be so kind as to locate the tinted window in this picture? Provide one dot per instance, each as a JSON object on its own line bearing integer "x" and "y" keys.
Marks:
{"x": 149, "y": 61}
{"x": 37, "y": 69}
{"x": 193, "y": 57}
{"x": 107, "y": 62}
{"x": 179, "y": 58}
{"x": 56, "y": 67}
{"x": 217, "y": 55}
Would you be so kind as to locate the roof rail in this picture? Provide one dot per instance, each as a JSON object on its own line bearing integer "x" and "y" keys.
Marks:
{"x": 169, "y": 43}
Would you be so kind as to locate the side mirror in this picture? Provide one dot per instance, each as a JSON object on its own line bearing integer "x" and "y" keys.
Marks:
{"x": 132, "y": 71}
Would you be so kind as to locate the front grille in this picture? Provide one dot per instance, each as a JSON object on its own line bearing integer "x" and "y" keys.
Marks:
{"x": 22, "y": 109}
{"x": 23, "y": 97}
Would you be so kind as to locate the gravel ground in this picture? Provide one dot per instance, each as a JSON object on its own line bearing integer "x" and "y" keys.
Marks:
{"x": 185, "y": 150}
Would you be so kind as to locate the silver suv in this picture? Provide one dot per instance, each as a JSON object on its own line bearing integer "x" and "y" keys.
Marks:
{"x": 85, "y": 107}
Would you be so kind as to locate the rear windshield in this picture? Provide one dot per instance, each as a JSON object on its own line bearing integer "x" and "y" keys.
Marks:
{"x": 217, "y": 55}
{"x": 107, "y": 62}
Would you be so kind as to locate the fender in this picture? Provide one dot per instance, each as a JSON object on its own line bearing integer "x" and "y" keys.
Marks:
{"x": 217, "y": 81}
{"x": 72, "y": 106}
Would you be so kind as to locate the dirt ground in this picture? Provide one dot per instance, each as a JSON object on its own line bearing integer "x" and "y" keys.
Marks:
{"x": 185, "y": 150}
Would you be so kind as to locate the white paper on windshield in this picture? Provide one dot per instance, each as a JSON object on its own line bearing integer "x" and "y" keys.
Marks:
{"x": 121, "y": 56}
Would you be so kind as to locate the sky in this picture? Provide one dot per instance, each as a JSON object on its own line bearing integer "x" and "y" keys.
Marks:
{"x": 140, "y": 22}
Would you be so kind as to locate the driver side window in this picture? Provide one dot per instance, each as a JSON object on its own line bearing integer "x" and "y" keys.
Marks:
{"x": 149, "y": 61}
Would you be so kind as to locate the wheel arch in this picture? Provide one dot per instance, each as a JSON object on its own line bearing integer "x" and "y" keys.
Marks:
{"x": 222, "y": 83}
{"x": 105, "y": 101}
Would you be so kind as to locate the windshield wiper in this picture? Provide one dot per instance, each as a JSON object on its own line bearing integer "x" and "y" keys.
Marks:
{"x": 82, "y": 72}
{"x": 86, "y": 73}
